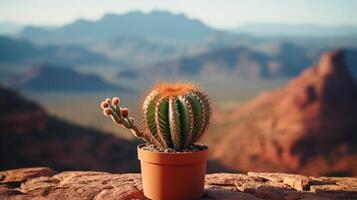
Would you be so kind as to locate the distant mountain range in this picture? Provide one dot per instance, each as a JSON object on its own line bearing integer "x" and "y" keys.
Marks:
{"x": 134, "y": 51}
{"x": 166, "y": 43}
{"x": 157, "y": 26}
{"x": 308, "y": 126}
{"x": 267, "y": 60}
{"x": 45, "y": 77}
{"x": 137, "y": 51}
{"x": 22, "y": 51}
{"x": 295, "y": 30}
{"x": 282, "y": 60}
{"x": 134, "y": 38}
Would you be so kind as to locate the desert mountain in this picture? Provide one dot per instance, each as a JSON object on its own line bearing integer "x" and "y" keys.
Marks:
{"x": 134, "y": 38}
{"x": 18, "y": 115}
{"x": 22, "y": 51}
{"x": 145, "y": 51}
{"x": 287, "y": 61}
{"x": 137, "y": 51}
{"x": 156, "y": 25}
{"x": 31, "y": 137}
{"x": 308, "y": 126}
{"x": 60, "y": 78}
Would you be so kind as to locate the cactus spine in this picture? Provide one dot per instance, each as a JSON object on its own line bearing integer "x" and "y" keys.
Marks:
{"x": 176, "y": 115}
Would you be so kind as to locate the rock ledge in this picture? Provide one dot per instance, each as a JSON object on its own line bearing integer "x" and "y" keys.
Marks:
{"x": 44, "y": 183}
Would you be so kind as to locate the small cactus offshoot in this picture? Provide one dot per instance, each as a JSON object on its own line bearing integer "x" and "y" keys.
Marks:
{"x": 176, "y": 115}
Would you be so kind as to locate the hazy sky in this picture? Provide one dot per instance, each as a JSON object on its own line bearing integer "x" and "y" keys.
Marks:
{"x": 217, "y": 13}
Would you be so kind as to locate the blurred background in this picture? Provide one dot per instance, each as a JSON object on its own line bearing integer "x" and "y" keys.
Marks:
{"x": 281, "y": 74}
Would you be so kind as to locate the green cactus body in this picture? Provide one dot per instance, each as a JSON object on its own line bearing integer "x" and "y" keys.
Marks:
{"x": 176, "y": 115}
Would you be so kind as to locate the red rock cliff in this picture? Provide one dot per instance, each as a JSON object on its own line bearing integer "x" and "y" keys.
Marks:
{"x": 309, "y": 126}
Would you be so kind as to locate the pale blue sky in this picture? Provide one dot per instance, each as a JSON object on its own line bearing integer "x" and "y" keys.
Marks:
{"x": 216, "y": 13}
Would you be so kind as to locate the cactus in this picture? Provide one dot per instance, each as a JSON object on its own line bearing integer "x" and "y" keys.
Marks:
{"x": 176, "y": 115}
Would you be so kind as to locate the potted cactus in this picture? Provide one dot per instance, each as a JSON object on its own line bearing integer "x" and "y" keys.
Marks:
{"x": 175, "y": 117}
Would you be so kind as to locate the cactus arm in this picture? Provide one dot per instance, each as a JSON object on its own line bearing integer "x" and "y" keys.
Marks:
{"x": 185, "y": 108}
{"x": 137, "y": 133}
{"x": 116, "y": 109}
{"x": 162, "y": 121}
{"x": 129, "y": 124}
{"x": 116, "y": 119}
{"x": 174, "y": 121}
{"x": 115, "y": 112}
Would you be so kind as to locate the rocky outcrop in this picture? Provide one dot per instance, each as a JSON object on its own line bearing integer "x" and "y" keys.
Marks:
{"x": 31, "y": 137}
{"x": 44, "y": 183}
{"x": 308, "y": 126}
{"x": 19, "y": 115}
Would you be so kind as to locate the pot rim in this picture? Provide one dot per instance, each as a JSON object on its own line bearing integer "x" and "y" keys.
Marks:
{"x": 184, "y": 158}
{"x": 173, "y": 153}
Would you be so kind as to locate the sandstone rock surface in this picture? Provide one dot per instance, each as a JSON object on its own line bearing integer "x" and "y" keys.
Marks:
{"x": 44, "y": 183}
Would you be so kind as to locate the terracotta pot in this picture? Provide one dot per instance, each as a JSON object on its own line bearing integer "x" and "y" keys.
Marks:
{"x": 173, "y": 175}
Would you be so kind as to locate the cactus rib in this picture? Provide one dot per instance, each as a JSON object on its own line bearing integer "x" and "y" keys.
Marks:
{"x": 188, "y": 121}
{"x": 174, "y": 121}
{"x": 162, "y": 122}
